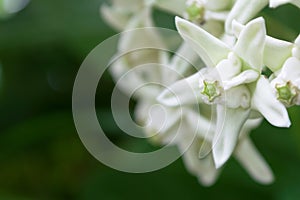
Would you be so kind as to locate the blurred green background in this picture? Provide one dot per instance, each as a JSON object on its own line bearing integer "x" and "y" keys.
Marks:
{"x": 41, "y": 156}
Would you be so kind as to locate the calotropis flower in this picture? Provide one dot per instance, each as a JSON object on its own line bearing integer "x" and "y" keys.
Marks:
{"x": 232, "y": 80}
{"x": 286, "y": 81}
{"x": 244, "y": 10}
{"x": 282, "y": 58}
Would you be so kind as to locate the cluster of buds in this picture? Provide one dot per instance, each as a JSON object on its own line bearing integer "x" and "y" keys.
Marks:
{"x": 224, "y": 100}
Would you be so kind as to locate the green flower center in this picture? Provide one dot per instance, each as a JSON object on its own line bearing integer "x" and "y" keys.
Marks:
{"x": 286, "y": 93}
{"x": 211, "y": 90}
{"x": 195, "y": 12}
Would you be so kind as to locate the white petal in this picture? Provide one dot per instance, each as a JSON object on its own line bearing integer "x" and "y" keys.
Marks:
{"x": 251, "y": 42}
{"x": 290, "y": 70}
{"x": 265, "y": 101}
{"x": 238, "y": 97}
{"x": 182, "y": 62}
{"x": 135, "y": 83}
{"x": 115, "y": 18}
{"x": 243, "y": 11}
{"x": 253, "y": 162}
{"x": 185, "y": 91}
{"x": 251, "y": 124}
{"x": 176, "y": 7}
{"x": 139, "y": 35}
{"x": 297, "y": 41}
{"x": 229, "y": 68}
{"x": 197, "y": 122}
{"x": 237, "y": 28}
{"x": 275, "y": 3}
{"x": 209, "y": 48}
{"x": 218, "y": 5}
{"x": 229, "y": 125}
{"x": 127, "y": 4}
{"x": 204, "y": 168}
{"x": 247, "y": 76}
{"x": 218, "y": 16}
{"x": 276, "y": 52}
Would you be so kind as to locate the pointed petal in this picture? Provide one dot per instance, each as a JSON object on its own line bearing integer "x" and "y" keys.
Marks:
{"x": 209, "y": 48}
{"x": 265, "y": 101}
{"x": 229, "y": 124}
{"x": 251, "y": 42}
{"x": 276, "y": 52}
{"x": 243, "y": 11}
{"x": 185, "y": 91}
{"x": 253, "y": 162}
{"x": 275, "y": 3}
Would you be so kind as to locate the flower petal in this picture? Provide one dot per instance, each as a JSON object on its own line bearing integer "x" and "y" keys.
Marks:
{"x": 185, "y": 91}
{"x": 114, "y": 17}
{"x": 237, "y": 97}
{"x": 197, "y": 122}
{"x": 265, "y": 101}
{"x": 275, "y": 52}
{"x": 229, "y": 124}
{"x": 243, "y": 11}
{"x": 134, "y": 81}
{"x": 253, "y": 162}
{"x": 209, "y": 48}
{"x": 139, "y": 34}
{"x": 247, "y": 76}
{"x": 251, "y": 42}
{"x": 275, "y": 3}
{"x": 218, "y": 5}
{"x": 204, "y": 168}
{"x": 176, "y": 7}
{"x": 181, "y": 64}
{"x": 290, "y": 70}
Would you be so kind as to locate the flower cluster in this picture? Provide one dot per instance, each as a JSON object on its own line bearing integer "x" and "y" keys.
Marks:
{"x": 222, "y": 101}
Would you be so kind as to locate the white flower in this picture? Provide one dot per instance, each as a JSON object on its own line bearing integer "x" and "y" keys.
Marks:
{"x": 232, "y": 80}
{"x": 287, "y": 81}
{"x": 282, "y": 58}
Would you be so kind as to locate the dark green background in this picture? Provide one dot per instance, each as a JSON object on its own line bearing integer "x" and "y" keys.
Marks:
{"x": 41, "y": 156}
